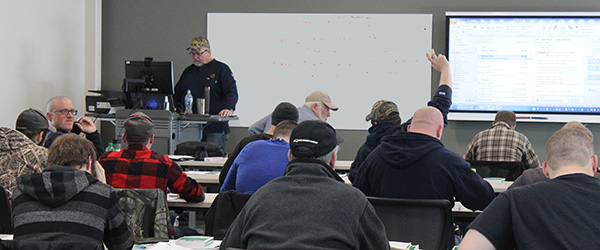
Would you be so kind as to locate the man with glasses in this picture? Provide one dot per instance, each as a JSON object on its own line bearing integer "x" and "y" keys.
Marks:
{"x": 61, "y": 114}
{"x": 208, "y": 72}
{"x": 317, "y": 106}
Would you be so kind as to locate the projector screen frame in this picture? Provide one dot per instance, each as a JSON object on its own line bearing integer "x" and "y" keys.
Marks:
{"x": 526, "y": 116}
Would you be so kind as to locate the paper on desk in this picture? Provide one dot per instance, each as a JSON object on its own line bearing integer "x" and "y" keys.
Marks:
{"x": 181, "y": 157}
{"x": 172, "y": 196}
{"x": 172, "y": 246}
{"x": 399, "y": 245}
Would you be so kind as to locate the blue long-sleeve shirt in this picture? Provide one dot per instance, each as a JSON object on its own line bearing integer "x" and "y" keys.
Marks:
{"x": 258, "y": 163}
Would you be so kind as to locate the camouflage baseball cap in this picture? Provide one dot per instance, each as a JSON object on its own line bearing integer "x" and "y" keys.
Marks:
{"x": 198, "y": 43}
{"x": 382, "y": 110}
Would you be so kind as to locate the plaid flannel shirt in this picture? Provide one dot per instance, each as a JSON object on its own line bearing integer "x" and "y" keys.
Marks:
{"x": 138, "y": 167}
{"x": 501, "y": 143}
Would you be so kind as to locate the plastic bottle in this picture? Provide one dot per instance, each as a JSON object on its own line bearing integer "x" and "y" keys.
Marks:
{"x": 110, "y": 147}
{"x": 116, "y": 145}
{"x": 189, "y": 101}
{"x": 166, "y": 103}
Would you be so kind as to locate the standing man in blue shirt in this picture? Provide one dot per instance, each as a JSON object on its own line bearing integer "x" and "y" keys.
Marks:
{"x": 208, "y": 72}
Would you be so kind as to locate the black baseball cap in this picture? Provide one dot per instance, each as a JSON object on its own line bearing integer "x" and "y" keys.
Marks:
{"x": 312, "y": 139}
{"x": 31, "y": 120}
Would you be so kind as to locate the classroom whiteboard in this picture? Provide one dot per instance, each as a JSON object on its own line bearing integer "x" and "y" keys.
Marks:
{"x": 356, "y": 58}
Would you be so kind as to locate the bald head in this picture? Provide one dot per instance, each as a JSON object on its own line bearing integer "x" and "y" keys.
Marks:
{"x": 429, "y": 121}
{"x": 54, "y": 102}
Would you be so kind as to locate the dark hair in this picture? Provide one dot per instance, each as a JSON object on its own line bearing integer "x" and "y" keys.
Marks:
{"x": 71, "y": 150}
{"x": 284, "y": 128}
{"x": 506, "y": 116}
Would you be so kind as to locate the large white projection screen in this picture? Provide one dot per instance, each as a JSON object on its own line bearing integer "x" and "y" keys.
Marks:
{"x": 356, "y": 58}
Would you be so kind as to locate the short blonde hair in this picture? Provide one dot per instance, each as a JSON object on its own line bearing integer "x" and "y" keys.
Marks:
{"x": 569, "y": 146}
{"x": 579, "y": 125}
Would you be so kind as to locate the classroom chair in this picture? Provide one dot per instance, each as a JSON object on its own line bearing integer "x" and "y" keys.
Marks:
{"x": 226, "y": 206}
{"x": 146, "y": 213}
{"x": 427, "y": 223}
{"x": 508, "y": 170}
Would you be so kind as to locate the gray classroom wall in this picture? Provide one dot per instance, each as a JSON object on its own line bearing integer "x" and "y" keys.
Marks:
{"x": 133, "y": 29}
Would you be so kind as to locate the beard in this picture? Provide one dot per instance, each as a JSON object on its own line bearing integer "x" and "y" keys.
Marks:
{"x": 198, "y": 63}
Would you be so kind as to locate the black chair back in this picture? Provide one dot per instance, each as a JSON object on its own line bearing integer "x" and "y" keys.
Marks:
{"x": 424, "y": 222}
{"x": 226, "y": 206}
{"x": 509, "y": 170}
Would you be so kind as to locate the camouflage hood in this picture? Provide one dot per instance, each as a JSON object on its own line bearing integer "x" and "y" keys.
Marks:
{"x": 59, "y": 183}
{"x": 11, "y": 139}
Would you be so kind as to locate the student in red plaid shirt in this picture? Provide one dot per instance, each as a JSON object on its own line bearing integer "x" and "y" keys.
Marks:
{"x": 138, "y": 167}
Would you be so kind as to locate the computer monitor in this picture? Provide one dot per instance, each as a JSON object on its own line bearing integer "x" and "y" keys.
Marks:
{"x": 156, "y": 76}
{"x": 147, "y": 82}
{"x": 544, "y": 66}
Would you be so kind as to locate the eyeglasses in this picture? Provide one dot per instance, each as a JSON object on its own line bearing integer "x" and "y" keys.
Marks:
{"x": 197, "y": 53}
{"x": 65, "y": 111}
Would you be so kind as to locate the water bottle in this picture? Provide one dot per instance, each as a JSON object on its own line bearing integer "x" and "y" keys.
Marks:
{"x": 116, "y": 145}
{"x": 189, "y": 100}
{"x": 110, "y": 147}
{"x": 166, "y": 103}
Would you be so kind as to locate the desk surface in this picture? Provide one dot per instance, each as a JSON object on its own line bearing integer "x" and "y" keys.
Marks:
{"x": 339, "y": 165}
{"x": 500, "y": 187}
{"x": 204, "y": 177}
{"x": 181, "y": 203}
{"x": 212, "y": 177}
{"x": 175, "y": 116}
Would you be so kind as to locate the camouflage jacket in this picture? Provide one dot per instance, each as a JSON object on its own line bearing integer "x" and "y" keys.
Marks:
{"x": 18, "y": 155}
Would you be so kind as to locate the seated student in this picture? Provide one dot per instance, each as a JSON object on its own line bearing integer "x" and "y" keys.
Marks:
{"x": 61, "y": 114}
{"x": 138, "y": 167}
{"x": 534, "y": 175}
{"x": 560, "y": 213}
{"x": 317, "y": 106}
{"x": 21, "y": 150}
{"x": 385, "y": 117}
{"x": 283, "y": 111}
{"x": 66, "y": 203}
{"x": 502, "y": 143}
{"x": 260, "y": 161}
{"x": 310, "y": 207}
{"x": 416, "y": 165}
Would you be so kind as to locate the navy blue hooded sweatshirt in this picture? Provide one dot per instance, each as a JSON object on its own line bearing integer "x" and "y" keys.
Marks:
{"x": 441, "y": 100}
{"x": 376, "y": 133}
{"x": 418, "y": 166}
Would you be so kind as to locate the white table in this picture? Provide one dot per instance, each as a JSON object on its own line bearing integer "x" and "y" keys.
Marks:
{"x": 204, "y": 177}
{"x": 192, "y": 207}
{"x": 340, "y": 165}
{"x": 500, "y": 187}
